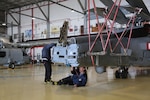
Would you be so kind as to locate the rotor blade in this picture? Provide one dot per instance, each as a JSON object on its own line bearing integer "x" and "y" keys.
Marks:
{"x": 120, "y": 17}
{"x": 142, "y": 14}
{"x": 140, "y": 4}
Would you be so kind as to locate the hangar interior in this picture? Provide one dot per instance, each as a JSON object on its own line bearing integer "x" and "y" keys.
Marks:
{"x": 28, "y": 25}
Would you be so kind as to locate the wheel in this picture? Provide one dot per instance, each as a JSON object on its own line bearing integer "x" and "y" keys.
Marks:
{"x": 100, "y": 69}
{"x": 12, "y": 65}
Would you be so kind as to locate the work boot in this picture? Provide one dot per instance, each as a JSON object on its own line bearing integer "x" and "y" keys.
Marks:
{"x": 47, "y": 81}
{"x": 54, "y": 83}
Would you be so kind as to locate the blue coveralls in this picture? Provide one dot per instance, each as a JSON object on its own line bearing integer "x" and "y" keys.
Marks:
{"x": 79, "y": 80}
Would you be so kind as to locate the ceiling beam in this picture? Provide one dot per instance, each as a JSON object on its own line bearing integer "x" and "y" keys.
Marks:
{"x": 66, "y": 7}
{"x": 14, "y": 18}
{"x": 28, "y": 15}
{"x": 41, "y": 10}
{"x": 9, "y": 3}
{"x": 79, "y": 1}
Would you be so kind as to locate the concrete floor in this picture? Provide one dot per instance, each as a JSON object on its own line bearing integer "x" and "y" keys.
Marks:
{"x": 26, "y": 83}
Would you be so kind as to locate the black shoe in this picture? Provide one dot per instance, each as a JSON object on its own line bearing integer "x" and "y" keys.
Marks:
{"x": 47, "y": 81}
{"x": 59, "y": 83}
{"x": 54, "y": 83}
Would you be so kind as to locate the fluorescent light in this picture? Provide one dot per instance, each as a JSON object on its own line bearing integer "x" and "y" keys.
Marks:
{"x": 33, "y": 18}
{"x": 4, "y": 24}
{"x": 72, "y": 10}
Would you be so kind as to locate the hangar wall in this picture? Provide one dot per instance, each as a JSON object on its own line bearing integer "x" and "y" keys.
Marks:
{"x": 57, "y": 16}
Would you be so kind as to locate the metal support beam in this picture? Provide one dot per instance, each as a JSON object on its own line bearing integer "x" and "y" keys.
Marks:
{"x": 12, "y": 36}
{"x": 65, "y": 6}
{"x": 79, "y": 1}
{"x": 19, "y": 26}
{"x": 85, "y": 17}
{"x": 27, "y": 15}
{"x": 48, "y": 21}
{"x": 42, "y": 10}
{"x": 6, "y": 20}
{"x": 13, "y": 18}
{"x": 32, "y": 13}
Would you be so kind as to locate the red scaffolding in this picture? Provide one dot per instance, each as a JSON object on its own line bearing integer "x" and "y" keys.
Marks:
{"x": 105, "y": 43}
